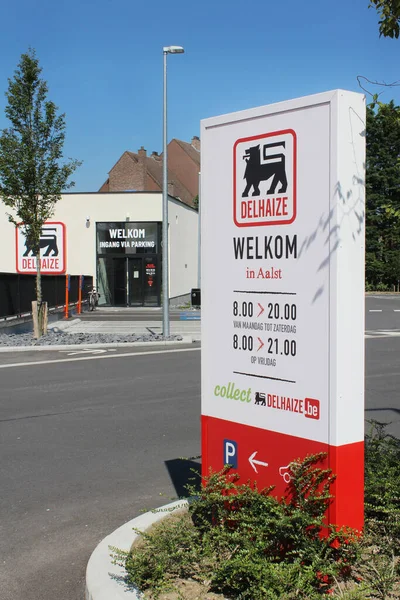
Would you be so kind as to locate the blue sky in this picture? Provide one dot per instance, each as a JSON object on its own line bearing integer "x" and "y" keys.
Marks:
{"x": 103, "y": 63}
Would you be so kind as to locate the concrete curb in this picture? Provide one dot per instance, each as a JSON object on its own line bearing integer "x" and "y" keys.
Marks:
{"x": 104, "y": 580}
{"x": 63, "y": 325}
{"x": 185, "y": 340}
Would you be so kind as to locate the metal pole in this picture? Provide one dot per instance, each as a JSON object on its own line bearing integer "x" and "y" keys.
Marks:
{"x": 199, "y": 237}
{"x": 127, "y": 281}
{"x": 165, "y": 274}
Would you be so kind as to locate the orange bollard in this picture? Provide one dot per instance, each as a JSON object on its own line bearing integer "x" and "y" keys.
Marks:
{"x": 80, "y": 295}
{"x": 67, "y": 283}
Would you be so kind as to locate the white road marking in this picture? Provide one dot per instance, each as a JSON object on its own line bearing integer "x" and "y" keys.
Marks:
{"x": 396, "y": 310}
{"x": 377, "y": 337}
{"x": 390, "y": 333}
{"x": 379, "y": 375}
{"x": 87, "y": 351}
{"x": 375, "y": 310}
{"x": 122, "y": 355}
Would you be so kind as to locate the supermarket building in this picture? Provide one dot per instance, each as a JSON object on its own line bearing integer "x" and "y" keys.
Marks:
{"x": 115, "y": 240}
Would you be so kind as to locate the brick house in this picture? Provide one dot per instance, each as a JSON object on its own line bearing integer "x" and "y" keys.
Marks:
{"x": 139, "y": 172}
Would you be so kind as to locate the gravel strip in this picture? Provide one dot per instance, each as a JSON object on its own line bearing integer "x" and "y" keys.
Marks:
{"x": 61, "y": 338}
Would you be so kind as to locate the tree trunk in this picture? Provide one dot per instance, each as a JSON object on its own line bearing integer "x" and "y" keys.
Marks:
{"x": 38, "y": 280}
{"x": 39, "y": 308}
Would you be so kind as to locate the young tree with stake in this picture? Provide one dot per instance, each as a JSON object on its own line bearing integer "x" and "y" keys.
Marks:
{"x": 32, "y": 174}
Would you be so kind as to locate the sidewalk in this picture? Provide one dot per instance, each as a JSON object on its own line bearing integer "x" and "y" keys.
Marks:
{"x": 119, "y": 322}
{"x": 127, "y": 321}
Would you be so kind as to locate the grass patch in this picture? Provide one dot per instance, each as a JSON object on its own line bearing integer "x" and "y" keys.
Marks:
{"x": 242, "y": 543}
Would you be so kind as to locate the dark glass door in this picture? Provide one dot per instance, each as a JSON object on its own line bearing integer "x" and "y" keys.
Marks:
{"x": 119, "y": 270}
{"x": 135, "y": 268}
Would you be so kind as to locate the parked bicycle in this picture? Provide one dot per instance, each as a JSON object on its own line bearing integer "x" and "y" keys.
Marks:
{"x": 93, "y": 298}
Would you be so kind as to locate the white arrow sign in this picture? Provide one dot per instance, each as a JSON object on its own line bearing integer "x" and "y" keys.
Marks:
{"x": 86, "y": 351}
{"x": 255, "y": 462}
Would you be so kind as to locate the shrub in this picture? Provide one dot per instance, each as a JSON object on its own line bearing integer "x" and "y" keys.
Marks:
{"x": 246, "y": 544}
{"x": 382, "y": 482}
{"x": 381, "y": 543}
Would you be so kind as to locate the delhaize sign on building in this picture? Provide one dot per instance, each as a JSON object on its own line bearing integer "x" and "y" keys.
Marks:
{"x": 52, "y": 250}
{"x": 283, "y": 292}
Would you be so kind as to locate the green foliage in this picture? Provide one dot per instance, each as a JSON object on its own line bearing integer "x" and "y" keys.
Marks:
{"x": 382, "y": 485}
{"x": 32, "y": 175}
{"x": 171, "y": 550}
{"x": 389, "y": 12}
{"x": 346, "y": 592}
{"x": 383, "y": 197}
{"x": 380, "y": 287}
{"x": 380, "y": 567}
{"x": 246, "y": 543}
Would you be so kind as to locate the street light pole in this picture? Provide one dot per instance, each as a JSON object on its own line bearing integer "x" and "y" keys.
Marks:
{"x": 199, "y": 237}
{"x": 165, "y": 246}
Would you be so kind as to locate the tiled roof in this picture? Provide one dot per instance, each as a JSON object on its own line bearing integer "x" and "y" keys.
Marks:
{"x": 190, "y": 150}
{"x": 154, "y": 168}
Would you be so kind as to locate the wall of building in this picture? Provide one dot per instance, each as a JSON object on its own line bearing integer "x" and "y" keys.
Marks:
{"x": 80, "y": 212}
{"x": 185, "y": 168}
{"x": 183, "y": 257}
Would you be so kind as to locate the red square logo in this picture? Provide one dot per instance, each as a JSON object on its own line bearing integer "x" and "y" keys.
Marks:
{"x": 52, "y": 250}
{"x": 264, "y": 179}
{"x": 311, "y": 408}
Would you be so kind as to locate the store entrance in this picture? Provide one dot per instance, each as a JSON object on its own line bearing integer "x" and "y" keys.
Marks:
{"x": 135, "y": 275}
{"x": 129, "y": 281}
{"x": 142, "y": 281}
{"x": 129, "y": 263}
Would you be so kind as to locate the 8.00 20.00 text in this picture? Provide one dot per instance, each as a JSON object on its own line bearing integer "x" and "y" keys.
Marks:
{"x": 274, "y": 310}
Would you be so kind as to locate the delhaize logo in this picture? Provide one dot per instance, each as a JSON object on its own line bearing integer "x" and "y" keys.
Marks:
{"x": 309, "y": 407}
{"x": 264, "y": 173}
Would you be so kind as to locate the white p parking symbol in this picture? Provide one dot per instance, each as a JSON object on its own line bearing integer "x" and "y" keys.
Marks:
{"x": 230, "y": 453}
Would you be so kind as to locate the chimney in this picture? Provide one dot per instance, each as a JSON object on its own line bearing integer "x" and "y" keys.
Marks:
{"x": 196, "y": 143}
{"x": 141, "y": 170}
{"x": 171, "y": 188}
{"x": 142, "y": 154}
{"x": 155, "y": 155}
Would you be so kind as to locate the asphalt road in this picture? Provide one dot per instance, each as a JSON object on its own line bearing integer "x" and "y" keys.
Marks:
{"x": 382, "y": 381}
{"x": 382, "y": 360}
{"x": 89, "y": 440}
{"x": 85, "y": 446}
{"x": 382, "y": 312}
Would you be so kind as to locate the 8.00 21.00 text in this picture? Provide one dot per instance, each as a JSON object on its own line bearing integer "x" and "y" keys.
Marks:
{"x": 273, "y": 345}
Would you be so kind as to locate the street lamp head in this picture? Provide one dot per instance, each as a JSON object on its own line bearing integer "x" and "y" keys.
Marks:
{"x": 173, "y": 50}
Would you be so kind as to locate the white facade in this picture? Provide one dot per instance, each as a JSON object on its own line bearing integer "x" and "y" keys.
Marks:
{"x": 80, "y": 212}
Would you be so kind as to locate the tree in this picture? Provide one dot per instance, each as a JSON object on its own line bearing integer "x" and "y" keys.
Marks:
{"x": 389, "y": 26}
{"x": 383, "y": 195}
{"x": 32, "y": 174}
{"x": 389, "y": 12}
